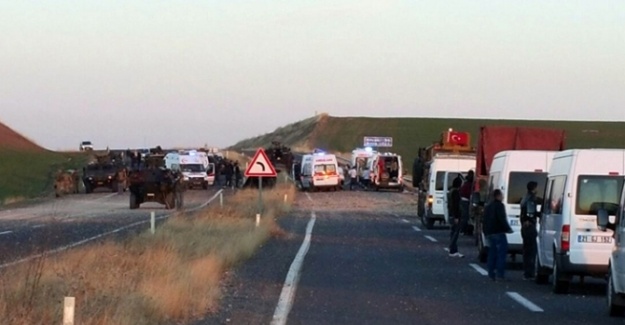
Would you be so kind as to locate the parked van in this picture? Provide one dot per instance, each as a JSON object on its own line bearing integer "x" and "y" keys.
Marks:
{"x": 616, "y": 268}
{"x": 510, "y": 172}
{"x": 443, "y": 169}
{"x": 387, "y": 172}
{"x": 191, "y": 165}
{"x": 320, "y": 171}
{"x": 581, "y": 184}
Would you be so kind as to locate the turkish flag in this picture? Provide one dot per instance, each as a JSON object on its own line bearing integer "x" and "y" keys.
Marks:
{"x": 459, "y": 138}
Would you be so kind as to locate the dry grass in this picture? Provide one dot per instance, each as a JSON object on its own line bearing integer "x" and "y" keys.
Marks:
{"x": 170, "y": 277}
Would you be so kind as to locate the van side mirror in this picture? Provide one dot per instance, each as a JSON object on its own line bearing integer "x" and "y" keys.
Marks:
{"x": 603, "y": 220}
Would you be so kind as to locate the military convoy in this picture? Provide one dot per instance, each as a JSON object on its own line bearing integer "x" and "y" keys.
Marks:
{"x": 155, "y": 183}
{"x": 105, "y": 170}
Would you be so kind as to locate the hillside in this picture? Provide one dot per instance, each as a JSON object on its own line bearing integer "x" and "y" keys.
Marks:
{"x": 343, "y": 134}
{"x": 10, "y": 139}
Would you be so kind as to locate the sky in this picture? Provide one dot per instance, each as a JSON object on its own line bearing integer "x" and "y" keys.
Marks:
{"x": 131, "y": 73}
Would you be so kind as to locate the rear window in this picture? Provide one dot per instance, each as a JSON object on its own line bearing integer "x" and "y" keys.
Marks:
{"x": 440, "y": 179}
{"x": 517, "y": 185}
{"x": 598, "y": 192}
{"x": 328, "y": 168}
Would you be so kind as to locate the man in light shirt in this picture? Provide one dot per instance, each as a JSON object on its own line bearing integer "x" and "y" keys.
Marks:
{"x": 353, "y": 175}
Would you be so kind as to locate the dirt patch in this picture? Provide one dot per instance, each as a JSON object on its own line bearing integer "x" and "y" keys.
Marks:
{"x": 11, "y": 139}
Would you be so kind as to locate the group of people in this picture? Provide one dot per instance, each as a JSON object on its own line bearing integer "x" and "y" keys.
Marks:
{"x": 356, "y": 179}
{"x": 495, "y": 226}
{"x": 228, "y": 174}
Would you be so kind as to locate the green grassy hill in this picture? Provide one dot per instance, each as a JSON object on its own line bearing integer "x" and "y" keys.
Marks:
{"x": 343, "y": 134}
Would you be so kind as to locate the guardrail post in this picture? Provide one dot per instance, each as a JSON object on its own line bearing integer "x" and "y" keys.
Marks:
{"x": 221, "y": 199}
{"x": 152, "y": 222}
{"x": 257, "y": 219}
{"x": 69, "y": 305}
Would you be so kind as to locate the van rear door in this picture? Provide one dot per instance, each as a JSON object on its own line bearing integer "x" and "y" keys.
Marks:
{"x": 588, "y": 244}
{"x": 447, "y": 183}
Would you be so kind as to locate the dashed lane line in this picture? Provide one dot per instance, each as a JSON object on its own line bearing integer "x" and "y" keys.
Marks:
{"x": 285, "y": 303}
{"x": 416, "y": 228}
{"x": 405, "y": 221}
{"x": 524, "y": 302}
{"x": 38, "y": 226}
{"x": 6, "y": 232}
{"x": 90, "y": 239}
{"x": 432, "y": 239}
{"x": 479, "y": 269}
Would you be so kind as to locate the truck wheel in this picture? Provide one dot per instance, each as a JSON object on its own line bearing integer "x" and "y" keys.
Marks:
{"x": 560, "y": 284}
{"x": 205, "y": 186}
{"x": 170, "y": 201}
{"x": 133, "y": 201}
{"x": 88, "y": 189}
{"x": 614, "y": 309}
{"x": 429, "y": 222}
{"x": 542, "y": 274}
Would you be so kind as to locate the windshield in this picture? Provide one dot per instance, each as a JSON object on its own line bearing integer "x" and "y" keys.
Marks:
{"x": 193, "y": 168}
{"x": 598, "y": 192}
{"x": 517, "y": 185}
{"x": 440, "y": 179}
{"x": 325, "y": 169}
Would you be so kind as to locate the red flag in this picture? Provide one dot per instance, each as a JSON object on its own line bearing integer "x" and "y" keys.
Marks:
{"x": 459, "y": 138}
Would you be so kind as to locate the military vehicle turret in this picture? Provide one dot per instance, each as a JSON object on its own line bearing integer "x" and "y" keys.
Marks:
{"x": 155, "y": 183}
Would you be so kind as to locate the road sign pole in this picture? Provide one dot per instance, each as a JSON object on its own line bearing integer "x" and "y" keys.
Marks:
{"x": 260, "y": 195}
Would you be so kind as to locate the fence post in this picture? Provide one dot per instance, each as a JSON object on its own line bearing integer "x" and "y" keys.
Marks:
{"x": 257, "y": 219}
{"x": 221, "y": 199}
{"x": 68, "y": 310}
{"x": 152, "y": 222}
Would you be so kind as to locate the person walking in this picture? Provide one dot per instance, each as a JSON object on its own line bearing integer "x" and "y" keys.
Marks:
{"x": 353, "y": 178}
{"x": 466, "y": 191}
{"x": 529, "y": 214}
{"x": 237, "y": 174}
{"x": 229, "y": 173}
{"x": 495, "y": 227}
{"x": 453, "y": 205}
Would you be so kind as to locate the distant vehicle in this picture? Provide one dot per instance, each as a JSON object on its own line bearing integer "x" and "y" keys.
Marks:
{"x": 192, "y": 164}
{"x": 436, "y": 166}
{"x": 510, "y": 172}
{"x": 86, "y": 146}
{"x": 320, "y": 171}
{"x": 579, "y": 189}
{"x": 98, "y": 175}
{"x": 281, "y": 158}
{"x": 387, "y": 171}
{"x": 155, "y": 183}
{"x": 362, "y": 158}
{"x": 616, "y": 269}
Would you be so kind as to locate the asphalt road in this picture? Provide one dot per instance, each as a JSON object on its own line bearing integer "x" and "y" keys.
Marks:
{"x": 52, "y": 224}
{"x": 378, "y": 265}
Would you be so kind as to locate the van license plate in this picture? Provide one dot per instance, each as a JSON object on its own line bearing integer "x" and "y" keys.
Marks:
{"x": 594, "y": 239}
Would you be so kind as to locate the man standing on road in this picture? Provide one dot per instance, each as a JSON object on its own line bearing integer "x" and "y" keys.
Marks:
{"x": 456, "y": 216}
{"x": 465, "y": 197}
{"x": 528, "y": 230}
{"x": 353, "y": 180}
{"x": 366, "y": 178}
{"x": 495, "y": 228}
{"x": 237, "y": 174}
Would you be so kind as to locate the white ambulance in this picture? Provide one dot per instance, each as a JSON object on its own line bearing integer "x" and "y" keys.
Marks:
{"x": 192, "y": 165}
{"x": 581, "y": 185}
{"x": 387, "y": 172}
{"x": 320, "y": 171}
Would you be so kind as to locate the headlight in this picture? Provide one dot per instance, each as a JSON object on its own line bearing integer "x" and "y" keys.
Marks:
{"x": 185, "y": 178}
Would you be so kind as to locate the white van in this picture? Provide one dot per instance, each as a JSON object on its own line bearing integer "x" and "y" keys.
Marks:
{"x": 192, "y": 167}
{"x": 442, "y": 170}
{"x": 510, "y": 172}
{"x": 580, "y": 184}
{"x": 320, "y": 170}
{"x": 387, "y": 172}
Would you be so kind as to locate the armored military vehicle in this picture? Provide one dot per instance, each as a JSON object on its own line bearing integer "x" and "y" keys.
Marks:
{"x": 155, "y": 183}
{"x": 100, "y": 172}
{"x": 281, "y": 158}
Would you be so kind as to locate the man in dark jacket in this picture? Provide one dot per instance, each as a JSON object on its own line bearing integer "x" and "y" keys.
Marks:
{"x": 455, "y": 216}
{"x": 466, "y": 191}
{"x": 495, "y": 227}
{"x": 529, "y": 233}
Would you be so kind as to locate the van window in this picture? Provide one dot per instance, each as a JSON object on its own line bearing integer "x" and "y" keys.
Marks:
{"x": 325, "y": 169}
{"x": 193, "y": 168}
{"x": 517, "y": 185}
{"x": 598, "y": 192}
{"x": 440, "y": 179}
{"x": 554, "y": 195}
{"x": 307, "y": 170}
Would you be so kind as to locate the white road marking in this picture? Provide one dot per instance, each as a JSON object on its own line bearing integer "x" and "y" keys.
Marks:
{"x": 405, "y": 221}
{"x": 6, "y": 232}
{"x": 90, "y": 239}
{"x": 524, "y": 302}
{"x": 416, "y": 228}
{"x": 446, "y": 249}
{"x": 285, "y": 303}
{"x": 395, "y": 215}
{"x": 38, "y": 226}
{"x": 432, "y": 239}
{"x": 479, "y": 269}
{"x": 308, "y": 196}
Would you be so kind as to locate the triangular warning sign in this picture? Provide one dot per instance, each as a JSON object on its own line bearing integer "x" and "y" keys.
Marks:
{"x": 260, "y": 166}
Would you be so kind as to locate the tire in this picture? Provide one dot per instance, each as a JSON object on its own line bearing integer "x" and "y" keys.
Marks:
{"x": 205, "y": 186}
{"x": 614, "y": 310}
{"x": 429, "y": 222}
{"x": 542, "y": 274}
{"x": 88, "y": 189}
{"x": 560, "y": 285}
{"x": 133, "y": 201}
{"x": 170, "y": 201}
